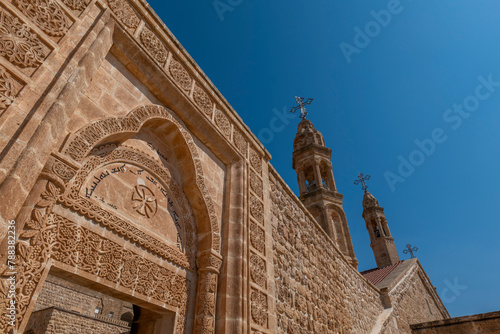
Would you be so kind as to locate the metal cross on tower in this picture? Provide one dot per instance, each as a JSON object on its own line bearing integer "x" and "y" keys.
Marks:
{"x": 410, "y": 249}
{"x": 301, "y": 106}
{"x": 362, "y": 178}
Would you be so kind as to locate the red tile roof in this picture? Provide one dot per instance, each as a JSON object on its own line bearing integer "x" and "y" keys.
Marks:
{"x": 376, "y": 275}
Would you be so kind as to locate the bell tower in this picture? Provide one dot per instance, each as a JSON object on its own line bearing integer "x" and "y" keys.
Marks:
{"x": 382, "y": 242}
{"x": 318, "y": 192}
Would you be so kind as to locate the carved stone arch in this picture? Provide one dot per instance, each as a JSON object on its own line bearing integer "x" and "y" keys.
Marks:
{"x": 118, "y": 129}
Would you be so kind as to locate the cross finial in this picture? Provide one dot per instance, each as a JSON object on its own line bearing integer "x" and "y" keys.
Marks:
{"x": 410, "y": 249}
{"x": 301, "y": 106}
{"x": 362, "y": 178}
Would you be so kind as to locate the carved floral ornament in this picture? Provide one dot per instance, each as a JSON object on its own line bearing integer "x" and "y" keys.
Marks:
{"x": 154, "y": 45}
{"x": 259, "y": 307}
{"x": 124, "y": 12}
{"x": 257, "y": 238}
{"x": 78, "y": 5}
{"x": 223, "y": 123}
{"x": 46, "y": 14}
{"x": 18, "y": 44}
{"x": 9, "y": 87}
{"x": 180, "y": 75}
{"x": 202, "y": 100}
{"x": 50, "y": 236}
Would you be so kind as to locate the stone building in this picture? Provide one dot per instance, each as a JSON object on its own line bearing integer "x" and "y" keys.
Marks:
{"x": 142, "y": 203}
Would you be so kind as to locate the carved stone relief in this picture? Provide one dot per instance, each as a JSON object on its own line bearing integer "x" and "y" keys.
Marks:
{"x": 202, "y": 100}
{"x": 255, "y": 160}
{"x": 124, "y": 12}
{"x": 256, "y": 184}
{"x": 18, "y": 44}
{"x": 258, "y": 272}
{"x": 259, "y": 308}
{"x": 180, "y": 75}
{"x": 223, "y": 123}
{"x": 240, "y": 142}
{"x": 46, "y": 14}
{"x": 9, "y": 88}
{"x": 129, "y": 171}
{"x": 256, "y": 209}
{"x": 257, "y": 238}
{"x": 78, "y": 5}
{"x": 48, "y": 235}
{"x": 154, "y": 45}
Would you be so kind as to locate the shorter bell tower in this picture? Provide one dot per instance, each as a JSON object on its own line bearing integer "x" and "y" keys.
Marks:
{"x": 382, "y": 242}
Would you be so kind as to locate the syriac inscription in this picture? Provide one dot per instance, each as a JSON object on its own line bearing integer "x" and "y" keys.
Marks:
{"x": 148, "y": 200}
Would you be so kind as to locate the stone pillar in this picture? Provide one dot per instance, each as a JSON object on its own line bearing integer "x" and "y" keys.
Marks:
{"x": 330, "y": 226}
{"x": 317, "y": 175}
{"x": 209, "y": 263}
{"x": 333, "y": 186}
{"x": 302, "y": 182}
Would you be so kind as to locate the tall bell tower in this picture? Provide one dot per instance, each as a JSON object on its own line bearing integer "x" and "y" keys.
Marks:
{"x": 382, "y": 242}
{"x": 318, "y": 192}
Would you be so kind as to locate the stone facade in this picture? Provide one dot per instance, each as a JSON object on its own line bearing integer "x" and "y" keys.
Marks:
{"x": 124, "y": 171}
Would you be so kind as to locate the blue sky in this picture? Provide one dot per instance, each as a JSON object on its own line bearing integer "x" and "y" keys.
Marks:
{"x": 405, "y": 82}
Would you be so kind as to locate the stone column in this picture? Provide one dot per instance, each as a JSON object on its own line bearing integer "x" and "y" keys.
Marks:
{"x": 330, "y": 226}
{"x": 209, "y": 263}
{"x": 302, "y": 182}
{"x": 317, "y": 175}
{"x": 333, "y": 187}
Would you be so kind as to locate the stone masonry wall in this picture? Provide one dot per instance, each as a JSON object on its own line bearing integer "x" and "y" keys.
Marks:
{"x": 54, "y": 321}
{"x": 113, "y": 92}
{"x": 317, "y": 291}
{"x": 412, "y": 304}
{"x": 59, "y": 296}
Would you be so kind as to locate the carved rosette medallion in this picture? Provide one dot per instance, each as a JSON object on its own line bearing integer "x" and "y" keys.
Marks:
{"x": 18, "y": 44}
{"x": 124, "y": 12}
{"x": 259, "y": 308}
{"x": 180, "y": 75}
{"x": 255, "y": 161}
{"x": 256, "y": 184}
{"x": 258, "y": 272}
{"x": 154, "y": 46}
{"x": 240, "y": 142}
{"x": 46, "y": 14}
{"x": 257, "y": 238}
{"x": 223, "y": 123}
{"x": 202, "y": 100}
{"x": 144, "y": 201}
{"x": 62, "y": 170}
{"x": 256, "y": 209}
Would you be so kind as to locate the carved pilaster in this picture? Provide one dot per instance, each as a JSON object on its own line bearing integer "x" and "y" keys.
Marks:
{"x": 209, "y": 264}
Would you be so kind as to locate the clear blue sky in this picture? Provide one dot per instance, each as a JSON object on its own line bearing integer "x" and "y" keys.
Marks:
{"x": 397, "y": 88}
